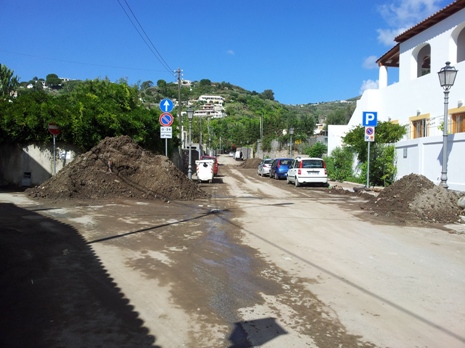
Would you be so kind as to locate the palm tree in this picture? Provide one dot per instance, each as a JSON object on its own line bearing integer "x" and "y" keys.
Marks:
{"x": 8, "y": 82}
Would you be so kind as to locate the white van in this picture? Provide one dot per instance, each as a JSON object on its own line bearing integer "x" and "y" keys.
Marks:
{"x": 238, "y": 156}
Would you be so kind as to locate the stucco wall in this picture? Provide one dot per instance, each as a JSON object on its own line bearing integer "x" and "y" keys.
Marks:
{"x": 30, "y": 165}
{"x": 424, "y": 156}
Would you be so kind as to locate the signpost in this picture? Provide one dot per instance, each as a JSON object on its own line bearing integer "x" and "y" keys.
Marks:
{"x": 55, "y": 130}
{"x": 369, "y": 121}
{"x": 166, "y": 120}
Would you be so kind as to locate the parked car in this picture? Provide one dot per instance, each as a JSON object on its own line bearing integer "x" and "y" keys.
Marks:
{"x": 264, "y": 167}
{"x": 305, "y": 170}
{"x": 279, "y": 168}
{"x": 215, "y": 163}
{"x": 238, "y": 156}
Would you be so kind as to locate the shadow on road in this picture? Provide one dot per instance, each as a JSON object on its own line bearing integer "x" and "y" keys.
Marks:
{"x": 55, "y": 291}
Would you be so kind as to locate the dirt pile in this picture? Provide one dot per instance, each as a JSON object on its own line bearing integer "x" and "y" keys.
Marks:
{"x": 414, "y": 198}
{"x": 251, "y": 163}
{"x": 119, "y": 168}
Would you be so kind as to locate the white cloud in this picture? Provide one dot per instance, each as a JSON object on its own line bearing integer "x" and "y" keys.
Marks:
{"x": 386, "y": 36}
{"x": 368, "y": 84}
{"x": 230, "y": 52}
{"x": 401, "y": 15}
{"x": 370, "y": 62}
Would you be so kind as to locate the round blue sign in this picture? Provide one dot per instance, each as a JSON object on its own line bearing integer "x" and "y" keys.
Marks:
{"x": 166, "y": 105}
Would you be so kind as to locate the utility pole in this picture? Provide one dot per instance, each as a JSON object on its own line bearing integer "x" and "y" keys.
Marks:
{"x": 180, "y": 106}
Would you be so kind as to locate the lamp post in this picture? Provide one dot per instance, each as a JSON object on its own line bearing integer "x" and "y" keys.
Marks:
{"x": 447, "y": 76}
{"x": 291, "y": 131}
{"x": 190, "y": 114}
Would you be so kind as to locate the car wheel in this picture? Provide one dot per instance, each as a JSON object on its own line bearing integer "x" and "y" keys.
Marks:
{"x": 296, "y": 182}
{"x": 276, "y": 177}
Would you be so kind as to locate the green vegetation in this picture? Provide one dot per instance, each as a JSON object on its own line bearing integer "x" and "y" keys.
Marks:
{"x": 382, "y": 169}
{"x": 88, "y": 111}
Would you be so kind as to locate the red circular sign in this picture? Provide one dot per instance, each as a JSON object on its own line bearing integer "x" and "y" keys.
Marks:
{"x": 166, "y": 119}
{"x": 54, "y": 129}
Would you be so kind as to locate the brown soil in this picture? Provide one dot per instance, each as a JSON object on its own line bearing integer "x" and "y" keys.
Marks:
{"x": 414, "y": 198}
{"x": 119, "y": 168}
{"x": 251, "y": 163}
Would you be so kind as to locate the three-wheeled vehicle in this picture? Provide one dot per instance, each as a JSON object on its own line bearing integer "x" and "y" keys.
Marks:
{"x": 204, "y": 170}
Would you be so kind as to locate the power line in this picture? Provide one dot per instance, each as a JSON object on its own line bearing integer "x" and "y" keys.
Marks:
{"x": 76, "y": 62}
{"x": 151, "y": 47}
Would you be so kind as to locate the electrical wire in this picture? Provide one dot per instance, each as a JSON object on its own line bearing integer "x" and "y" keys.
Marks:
{"x": 151, "y": 47}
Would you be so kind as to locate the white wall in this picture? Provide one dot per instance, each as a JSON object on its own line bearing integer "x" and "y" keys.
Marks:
{"x": 424, "y": 156}
{"x": 15, "y": 160}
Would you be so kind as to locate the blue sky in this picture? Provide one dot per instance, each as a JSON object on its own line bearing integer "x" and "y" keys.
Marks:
{"x": 305, "y": 51}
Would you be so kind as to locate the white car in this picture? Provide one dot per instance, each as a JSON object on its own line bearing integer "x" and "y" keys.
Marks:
{"x": 307, "y": 170}
{"x": 264, "y": 167}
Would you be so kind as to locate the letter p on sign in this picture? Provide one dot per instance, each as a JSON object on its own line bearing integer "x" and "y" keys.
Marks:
{"x": 370, "y": 119}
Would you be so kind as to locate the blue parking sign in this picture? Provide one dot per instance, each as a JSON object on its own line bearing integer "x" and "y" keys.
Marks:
{"x": 370, "y": 119}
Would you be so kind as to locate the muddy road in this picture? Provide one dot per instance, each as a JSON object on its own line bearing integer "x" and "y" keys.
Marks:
{"x": 260, "y": 263}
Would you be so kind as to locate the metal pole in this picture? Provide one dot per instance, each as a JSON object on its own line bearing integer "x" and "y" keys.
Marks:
{"x": 54, "y": 156}
{"x": 200, "y": 145}
{"x": 444, "y": 140}
{"x": 166, "y": 147}
{"x": 189, "y": 170}
{"x": 368, "y": 166}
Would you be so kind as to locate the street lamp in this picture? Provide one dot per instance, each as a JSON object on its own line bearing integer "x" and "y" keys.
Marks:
{"x": 446, "y": 79}
{"x": 190, "y": 114}
{"x": 291, "y": 131}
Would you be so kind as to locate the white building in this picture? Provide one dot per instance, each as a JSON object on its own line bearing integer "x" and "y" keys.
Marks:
{"x": 417, "y": 99}
{"x": 212, "y": 106}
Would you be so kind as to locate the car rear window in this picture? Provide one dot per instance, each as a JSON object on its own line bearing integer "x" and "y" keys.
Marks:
{"x": 286, "y": 162}
{"x": 312, "y": 164}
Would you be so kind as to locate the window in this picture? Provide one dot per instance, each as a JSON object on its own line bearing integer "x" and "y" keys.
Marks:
{"x": 458, "y": 123}
{"x": 424, "y": 61}
{"x": 419, "y": 128}
{"x": 461, "y": 46}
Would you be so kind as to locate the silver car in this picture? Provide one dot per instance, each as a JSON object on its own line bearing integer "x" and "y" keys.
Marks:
{"x": 264, "y": 167}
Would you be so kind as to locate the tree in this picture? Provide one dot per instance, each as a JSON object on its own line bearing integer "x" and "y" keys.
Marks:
{"x": 317, "y": 150}
{"x": 268, "y": 94}
{"x": 337, "y": 117}
{"x": 339, "y": 163}
{"x": 53, "y": 81}
{"x": 382, "y": 168}
{"x": 205, "y": 83}
{"x": 8, "y": 82}
{"x": 146, "y": 84}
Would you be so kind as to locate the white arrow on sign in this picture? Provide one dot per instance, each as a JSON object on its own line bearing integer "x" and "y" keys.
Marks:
{"x": 166, "y": 104}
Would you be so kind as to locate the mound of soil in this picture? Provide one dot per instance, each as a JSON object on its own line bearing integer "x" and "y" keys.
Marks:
{"x": 119, "y": 168}
{"x": 414, "y": 198}
{"x": 251, "y": 163}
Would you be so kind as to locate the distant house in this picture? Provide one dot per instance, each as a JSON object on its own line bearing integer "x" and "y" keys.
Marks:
{"x": 417, "y": 99}
{"x": 212, "y": 106}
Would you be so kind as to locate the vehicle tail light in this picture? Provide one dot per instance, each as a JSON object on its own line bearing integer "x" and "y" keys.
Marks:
{"x": 299, "y": 172}
{"x": 324, "y": 166}
{"x": 278, "y": 165}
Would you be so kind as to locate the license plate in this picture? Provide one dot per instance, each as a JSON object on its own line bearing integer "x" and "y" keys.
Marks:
{"x": 312, "y": 172}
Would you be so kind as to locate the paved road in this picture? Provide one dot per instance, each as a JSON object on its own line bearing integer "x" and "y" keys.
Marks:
{"x": 261, "y": 263}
